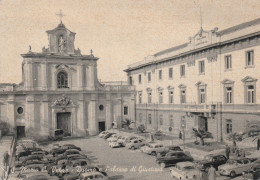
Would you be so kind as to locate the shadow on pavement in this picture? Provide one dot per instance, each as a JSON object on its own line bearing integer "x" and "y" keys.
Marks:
{"x": 116, "y": 177}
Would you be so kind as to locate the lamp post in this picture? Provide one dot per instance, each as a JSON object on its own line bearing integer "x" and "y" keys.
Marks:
{"x": 183, "y": 134}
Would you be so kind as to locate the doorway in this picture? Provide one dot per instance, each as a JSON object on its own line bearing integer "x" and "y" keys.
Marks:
{"x": 102, "y": 126}
{"x": 203, "y": 123}
{"x": 63, "y": 122}
{"x": 20, "y": 131}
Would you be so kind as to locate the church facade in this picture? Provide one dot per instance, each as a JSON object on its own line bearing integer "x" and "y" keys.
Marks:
{"x": 60, "y": 90}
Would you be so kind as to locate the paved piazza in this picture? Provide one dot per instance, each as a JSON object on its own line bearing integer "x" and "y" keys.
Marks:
{"x": 122, "y": 163}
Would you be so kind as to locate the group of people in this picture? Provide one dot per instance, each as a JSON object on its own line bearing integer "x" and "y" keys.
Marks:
{"x": 235, "y": 150}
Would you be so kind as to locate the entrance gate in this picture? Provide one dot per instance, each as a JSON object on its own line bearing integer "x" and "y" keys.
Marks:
{"x": 64, "y": 123}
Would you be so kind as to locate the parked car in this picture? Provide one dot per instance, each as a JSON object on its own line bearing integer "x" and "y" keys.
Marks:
{"x": 56, "y": 134}
{"x": 215, "y": 160}
{"x": 103, "y": 133}
{"x": 135, "y": 144}
{"x": 171, "y": 158}
{"x": 253, "y": 173}
{"x": 70, "y": 146}
{"x": 236, "y": 166}
{"x": 168, "y": 149}
{"x": 113, "y": 137}
{"x": 108, "y": 135}
{"x": 114, "y": 144}
{"x": 185, "y": 170}
{"x": 127, "y": 139}
{"x": 71, "y": 151}
{"x": 92, "y": 175}
{"x": 152, "y": 148}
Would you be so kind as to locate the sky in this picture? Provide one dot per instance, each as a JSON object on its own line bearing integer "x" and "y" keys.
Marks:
{"x": 120, "y": 32}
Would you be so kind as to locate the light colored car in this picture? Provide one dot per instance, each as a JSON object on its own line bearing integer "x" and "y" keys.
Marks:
{"x": 102, "y": 134}
{"x": 152, "y": 148}
{"x": 92, "y": 175}
{"x": 234, "y": 167}
{"x": 135, "y": 144}
{"x": 113, "y": 137}
{"x": 128, "y": 139}
{"x": 185, "y": 170}
{"x": 114, "y": 144}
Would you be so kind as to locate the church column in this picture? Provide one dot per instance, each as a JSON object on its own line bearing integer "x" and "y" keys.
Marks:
{"x": 92, "y": 120}
{"x": 44, "y": 75}
{"x": 91, "y": 82}
{"x": 81, "y": 115}
{"x": 44, "y": 125}
{"x": 30, "y": 121}
{"x": 80, "y": 76}
{"x": 11, "y": 111}
{"x": 54, "y": 119}
{"x": 30, "y": 75}
{"x": 53, "y": 77}
{"x": 109, "y": 113}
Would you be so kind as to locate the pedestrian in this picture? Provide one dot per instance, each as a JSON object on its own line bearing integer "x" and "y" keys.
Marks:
{"x": 180, "y": 136}
{"x": 243, "y": 153}
{"x": 227, "y": 151}
{"x": 237, "y": 152}
{"x": 203, "y": 175}
{"x": 212, "y": 173}
{"x": 6, "y": 159}
{"x": 258, "y": 144}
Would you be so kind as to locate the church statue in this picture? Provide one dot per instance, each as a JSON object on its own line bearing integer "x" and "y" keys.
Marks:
{"x": 61, "y": 44}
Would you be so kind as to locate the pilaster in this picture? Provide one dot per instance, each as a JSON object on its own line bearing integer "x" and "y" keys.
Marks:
{"x": 30, "y": 112}
{"x": 44, "y": 75}
{"x": 10, "y": 110}
{"x": 44, "y": 125}
{"x": 92, "y": 122}
{"x": 109, "y": 112}
{"x": 81, "y": 114}
{"x": 80, "y": 76}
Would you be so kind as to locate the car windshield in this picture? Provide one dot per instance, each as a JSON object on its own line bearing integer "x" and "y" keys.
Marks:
{"x": 208, "y": 158}
{"x": 188, "y": 168}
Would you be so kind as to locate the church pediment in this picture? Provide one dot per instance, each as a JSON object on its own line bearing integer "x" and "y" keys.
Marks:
{"x": 64, "y": 66}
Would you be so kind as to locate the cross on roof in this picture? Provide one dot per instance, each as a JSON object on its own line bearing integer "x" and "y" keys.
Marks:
{"x": 60, "y": 14}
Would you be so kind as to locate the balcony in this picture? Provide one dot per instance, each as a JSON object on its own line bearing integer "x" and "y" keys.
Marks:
{"x": 204, "y": 108}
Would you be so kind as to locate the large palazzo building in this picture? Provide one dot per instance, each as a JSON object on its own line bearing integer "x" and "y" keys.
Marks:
{"x": 60, "y": 90}
{"x": 210, "y": 82}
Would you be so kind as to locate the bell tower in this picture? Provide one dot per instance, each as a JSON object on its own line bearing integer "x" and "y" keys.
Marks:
{"x": 61, "y": 40}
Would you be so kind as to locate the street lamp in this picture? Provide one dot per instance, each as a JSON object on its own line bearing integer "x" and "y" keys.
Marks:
{"x": 183, "y": 136}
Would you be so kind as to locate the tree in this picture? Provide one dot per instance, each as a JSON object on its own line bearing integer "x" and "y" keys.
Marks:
{"x": 126, "y": 123}
{"x": 202, "y": 135}
{"x": 235, "y": 137}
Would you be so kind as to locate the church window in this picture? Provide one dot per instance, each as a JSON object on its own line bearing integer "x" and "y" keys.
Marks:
{"x": 101, "y": 107}
{"x": 62, "y": 80}
{"x": 20, "y": 110}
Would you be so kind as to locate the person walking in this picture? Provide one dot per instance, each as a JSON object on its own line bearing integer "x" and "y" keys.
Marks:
{"x": 212, "y": 173}
{"x": 180, "y": 136}
{"x": 6, "y": 159}
{"x": 237, "y": 152}
{"x": 227, "y": 151}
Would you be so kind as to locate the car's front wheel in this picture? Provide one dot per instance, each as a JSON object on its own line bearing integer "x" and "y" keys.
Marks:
{"x": 163, "y": 165}
{"x": 153, "y": 153}
{"x": 232, "y": 174}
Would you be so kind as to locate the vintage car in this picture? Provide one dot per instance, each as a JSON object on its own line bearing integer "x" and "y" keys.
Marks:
{"x": 135, "y": 144}
{"x": 236, "y": 166}
{"x": 57, "y": 134}
{"x": 253, "y": 173}
{"x": 70, "y": 146}
{"x": 168, "y": 149}
{"x": 71, "y": 151}
{"x": 215, "y": 160}
{"x": 152, "y": 148}
{"x": 126, "y": 139}
{"x": 113, "y": 137}
{"x": 185, "y": 170}
{"x": 108, "y": 135}
{"x": 92, "y": 175}
{"x": 114, "y": 144}
{"x": 171, "y": 158}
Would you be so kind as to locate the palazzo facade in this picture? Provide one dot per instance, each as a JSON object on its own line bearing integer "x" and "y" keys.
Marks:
{"x": 210, "y": 82}
{"x": 60, "y": 90}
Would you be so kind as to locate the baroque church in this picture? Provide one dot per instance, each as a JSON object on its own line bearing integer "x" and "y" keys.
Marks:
{"x": 60, "y": 90}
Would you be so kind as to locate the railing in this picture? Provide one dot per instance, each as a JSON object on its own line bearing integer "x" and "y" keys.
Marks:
{"x": 203, "y": 107}
{"x": 119, "y": 87}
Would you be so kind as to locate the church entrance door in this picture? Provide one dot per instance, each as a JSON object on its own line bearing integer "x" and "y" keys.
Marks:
{"x": 102, "y": 126}
{"x": 20, "y": 131}
{"x": 203, "y": 123}
{"x": 63, "y": 122}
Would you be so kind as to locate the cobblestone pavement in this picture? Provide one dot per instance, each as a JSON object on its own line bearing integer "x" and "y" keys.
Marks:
{"x": 122, "y": 163}
{"x": 5, "y": 143}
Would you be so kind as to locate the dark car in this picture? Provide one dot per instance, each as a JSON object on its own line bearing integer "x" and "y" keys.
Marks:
{"x": 23, "y": 154}
{"x": 253, "y": 173}
{"x": 168, "y": 149}
{"x": 72, "y": 157}
{"x": 70, "y": 146}
{"x": 71, "y": 151}
{"x": 171, "y": 158}
{"x": 215, "y": 160}
{"x": 57, "y": 151}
